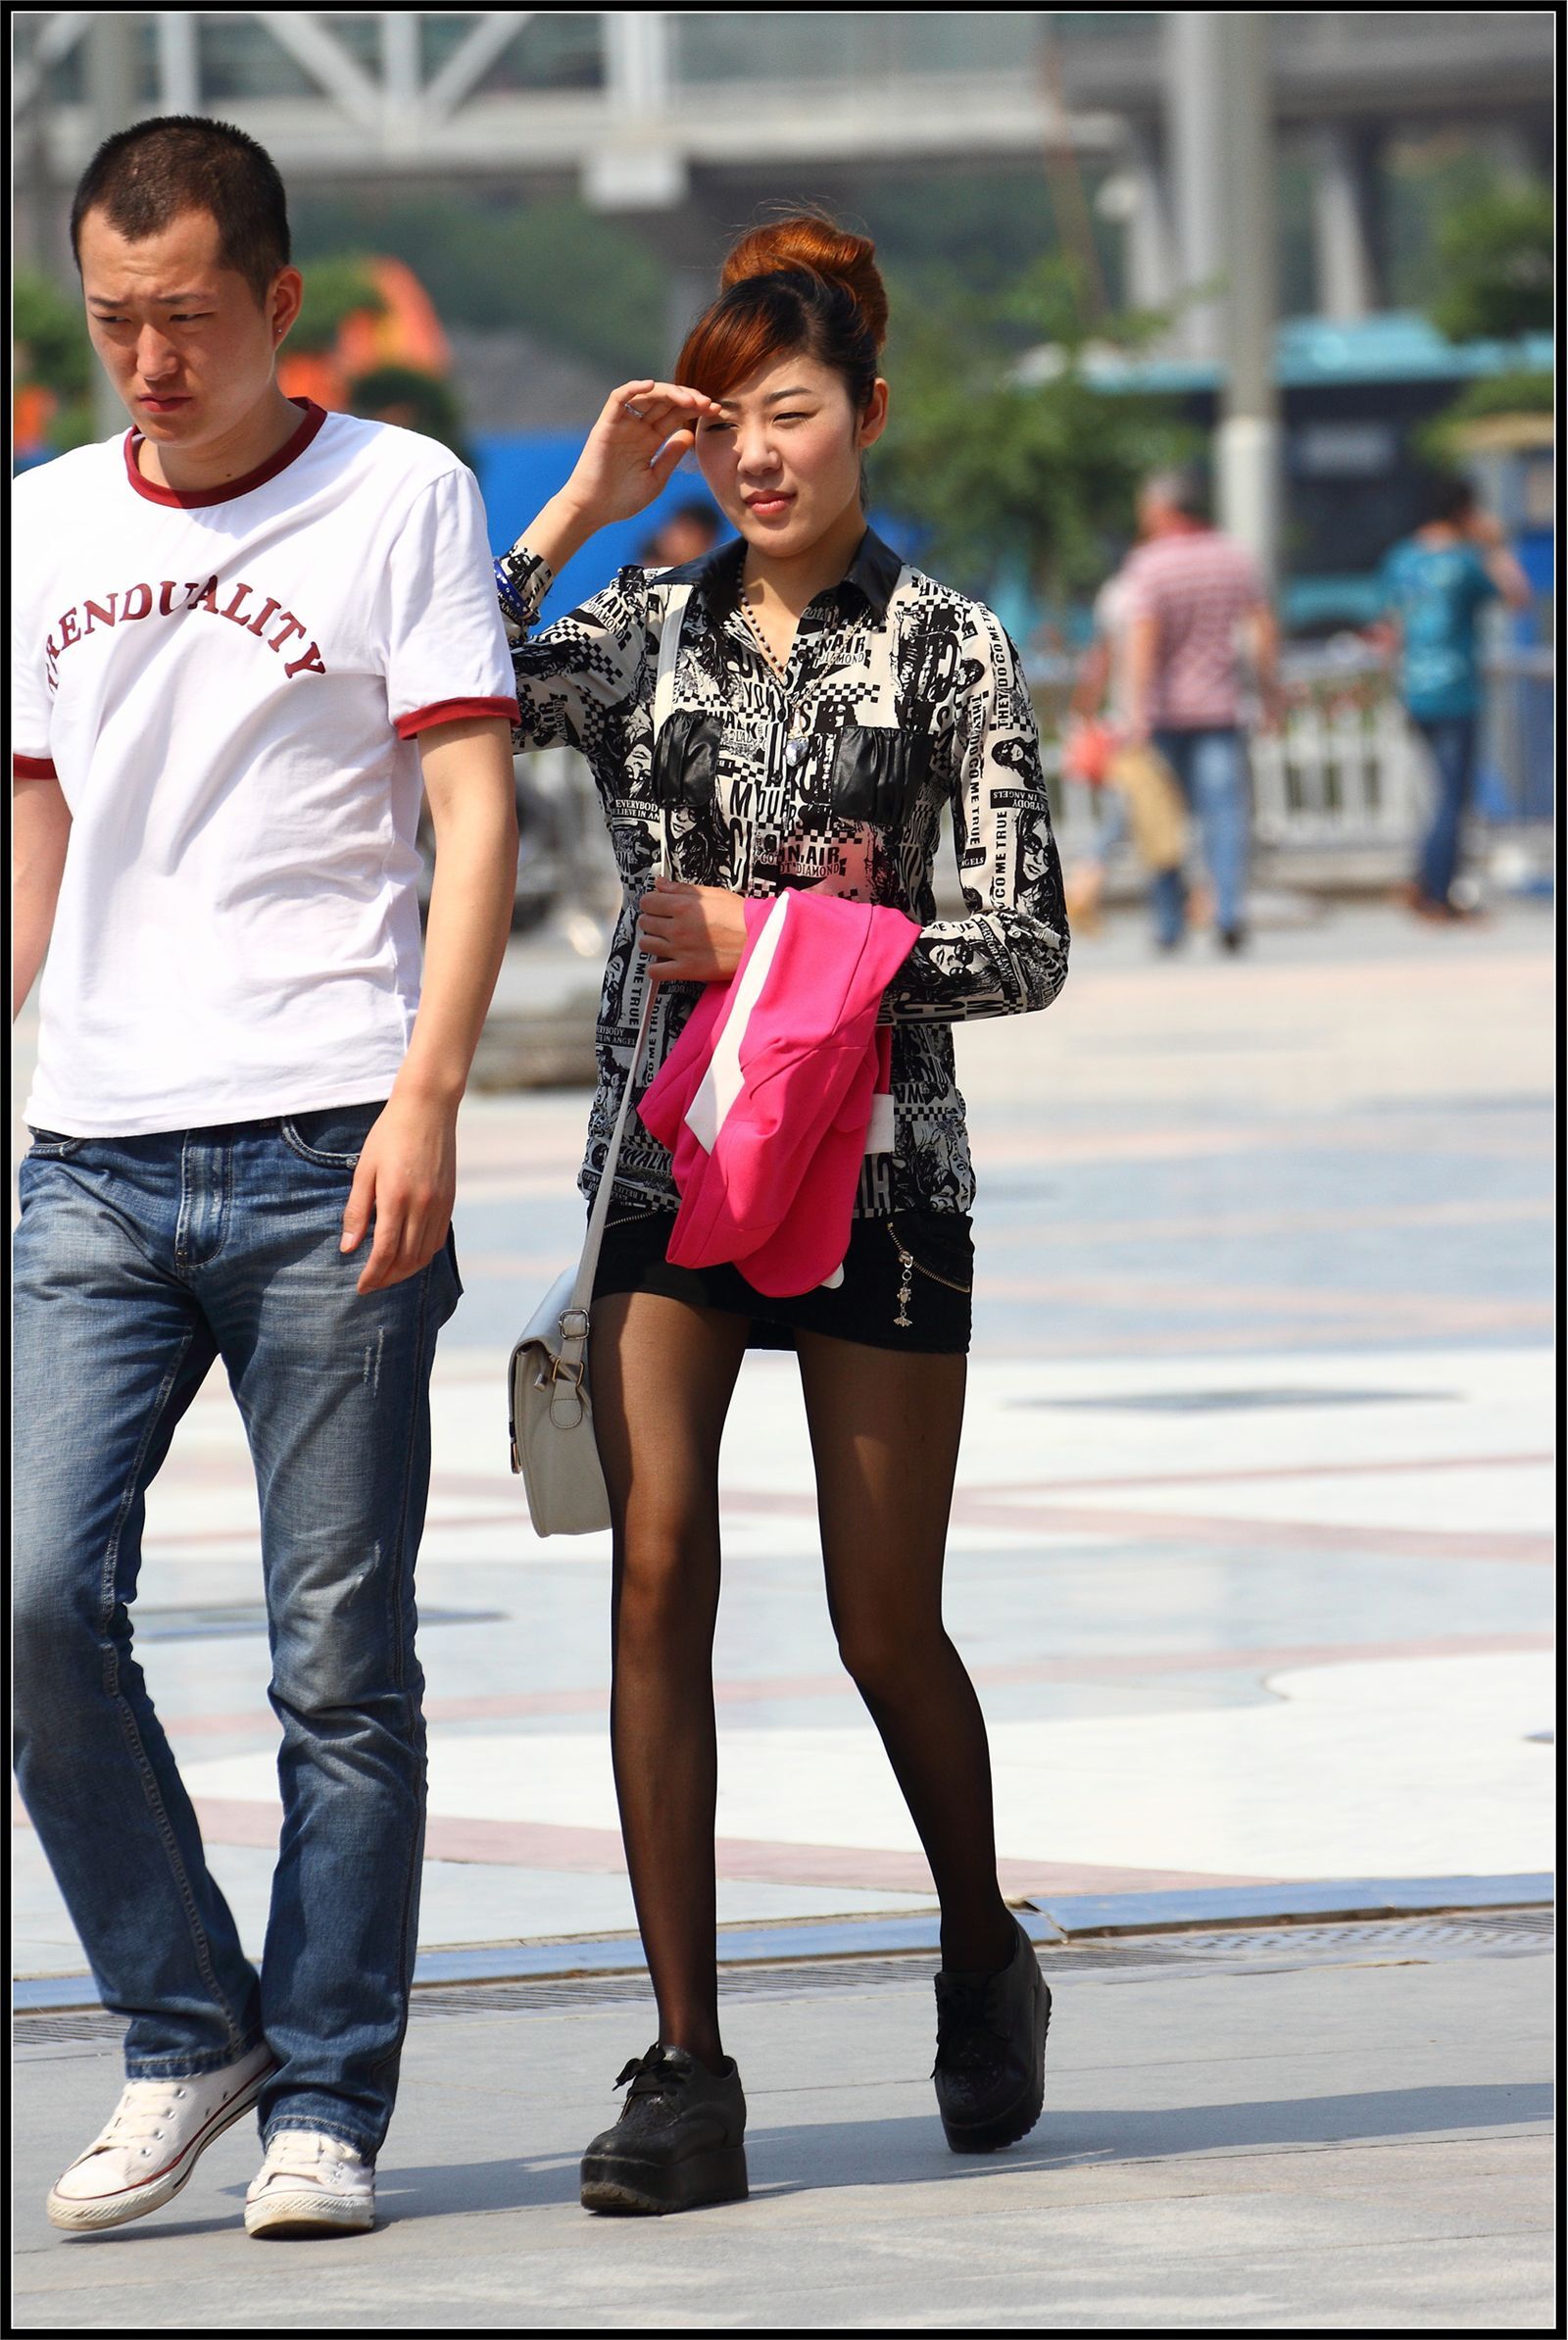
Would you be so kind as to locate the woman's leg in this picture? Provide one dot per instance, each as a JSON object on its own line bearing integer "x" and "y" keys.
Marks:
{"x": 885, "y": 1439}
{"x": 662, "y": 1376}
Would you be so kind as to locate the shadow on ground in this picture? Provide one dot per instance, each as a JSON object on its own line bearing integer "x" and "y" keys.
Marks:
{"x": 908, "y": 2150}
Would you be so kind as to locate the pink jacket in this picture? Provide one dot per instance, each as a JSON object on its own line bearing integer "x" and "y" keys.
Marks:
{"x": 766, "y": 1101}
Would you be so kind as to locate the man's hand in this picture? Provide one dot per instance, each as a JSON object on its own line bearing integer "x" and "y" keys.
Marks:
{"x": 1272, "y": 711}
{"x": 408, "y": 1181}
{"x": 1490, "y": 539}
{"x": 692, "y": 933}
{"x": 407, "y": 1173}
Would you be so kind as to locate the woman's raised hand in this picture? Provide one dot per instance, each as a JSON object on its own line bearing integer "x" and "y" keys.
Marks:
{"x": 644, "y": 431}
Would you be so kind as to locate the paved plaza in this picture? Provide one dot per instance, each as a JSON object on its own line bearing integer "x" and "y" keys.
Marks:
{"x": 1250, "y": 1558}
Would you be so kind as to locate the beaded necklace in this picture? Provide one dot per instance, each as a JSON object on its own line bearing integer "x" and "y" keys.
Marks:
{"x": 780, "y": 668}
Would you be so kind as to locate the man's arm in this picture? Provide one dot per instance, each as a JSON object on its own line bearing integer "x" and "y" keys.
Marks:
{"x": 1263, "y": 642}
{"x": 1088, "y": 685}
{"x": 40, "y": 831}
{"x": 408, "y": 1171}
{"x": 1486, "y": 535}
{"x": 1143, "y": 653}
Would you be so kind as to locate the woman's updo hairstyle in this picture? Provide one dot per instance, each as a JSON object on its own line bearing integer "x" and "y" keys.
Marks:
{"x": 801, "y": 283}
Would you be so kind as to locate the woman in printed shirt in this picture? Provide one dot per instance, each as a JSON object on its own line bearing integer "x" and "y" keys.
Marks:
{"x": 832, "y": 710}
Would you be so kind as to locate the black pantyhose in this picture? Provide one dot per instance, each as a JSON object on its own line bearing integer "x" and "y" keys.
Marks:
{"x": 885, "y": 1439}
{"x": 885, "y": 1442}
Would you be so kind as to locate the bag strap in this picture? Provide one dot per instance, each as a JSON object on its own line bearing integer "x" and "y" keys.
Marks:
{"x": 669, "y": 652}
{"x": 598, "y": 1218}
{"x": 665, "y": 699}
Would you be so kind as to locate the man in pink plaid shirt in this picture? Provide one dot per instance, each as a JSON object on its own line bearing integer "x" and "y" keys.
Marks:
{"x": 1192, "y": 597}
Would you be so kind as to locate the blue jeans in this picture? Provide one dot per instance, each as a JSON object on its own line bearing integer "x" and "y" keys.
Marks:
{"x": 1452, "y": 740}
{"x": 1210, "y": 769}
{"x": 138, "y": 1261}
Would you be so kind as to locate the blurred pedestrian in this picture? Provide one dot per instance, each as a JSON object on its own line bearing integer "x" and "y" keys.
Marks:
{"x": 1096, "y": 716}
{"x": 1434, "y": 587}
{"x": 1193, "y": 598}
{"x": 244, "y": 1124}
{"x": 692, "y": 529}
{"x": 1135, "y": 793}
{"x": 850, "y": 697}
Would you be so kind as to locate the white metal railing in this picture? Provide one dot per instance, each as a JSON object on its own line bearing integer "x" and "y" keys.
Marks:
{"x": 1340, "y": 772}
{"x": 1346, "y": 771}
{"x": 1337, "y": 775}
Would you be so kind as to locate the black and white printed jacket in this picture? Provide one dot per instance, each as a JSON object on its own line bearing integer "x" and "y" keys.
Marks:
{"x": 903, "y": 700}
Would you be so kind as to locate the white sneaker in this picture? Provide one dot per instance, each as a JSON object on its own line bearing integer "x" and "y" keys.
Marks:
{"x": 152, "y": 2142}
{"x": 311, "y": 2183}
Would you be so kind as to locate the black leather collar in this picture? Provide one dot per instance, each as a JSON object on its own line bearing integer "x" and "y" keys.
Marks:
{"x": 873, "y": 573}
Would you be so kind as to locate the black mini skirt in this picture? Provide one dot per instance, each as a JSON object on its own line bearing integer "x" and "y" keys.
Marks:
{"x": 907, "y": 1284}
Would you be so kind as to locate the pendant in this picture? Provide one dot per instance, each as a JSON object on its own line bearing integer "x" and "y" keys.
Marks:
{"x": 795, "y": 752}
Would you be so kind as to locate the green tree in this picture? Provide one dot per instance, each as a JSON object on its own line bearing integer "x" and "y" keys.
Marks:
{"x": 50, "y": 336}
{"x": 586, "y": 283}
{"x": 336, "y": 285}
{"x": 51, "y": 351}
{"x": 1496, "y": 254}
{"x": 1000, "y": 451}
{"x": 1441, "y": 442}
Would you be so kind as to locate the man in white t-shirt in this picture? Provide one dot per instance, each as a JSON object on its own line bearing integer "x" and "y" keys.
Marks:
{"x": 247, "y": 633}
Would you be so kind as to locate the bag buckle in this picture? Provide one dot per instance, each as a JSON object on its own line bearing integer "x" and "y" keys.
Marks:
{"x": 574, "y": 1322}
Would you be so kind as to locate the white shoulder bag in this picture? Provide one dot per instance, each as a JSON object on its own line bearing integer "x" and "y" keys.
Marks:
{"x": 552, "y": 1443}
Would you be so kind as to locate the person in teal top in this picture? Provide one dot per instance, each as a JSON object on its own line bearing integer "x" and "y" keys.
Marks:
{"x": 1435, "y": 585}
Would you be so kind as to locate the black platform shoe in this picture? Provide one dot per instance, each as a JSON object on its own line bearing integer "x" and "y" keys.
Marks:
{"x": 991, "y": 2052}
{"x": 679, "y": 2141}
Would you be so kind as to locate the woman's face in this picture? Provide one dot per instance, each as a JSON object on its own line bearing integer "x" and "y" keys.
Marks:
{"x": 783, "y": 458}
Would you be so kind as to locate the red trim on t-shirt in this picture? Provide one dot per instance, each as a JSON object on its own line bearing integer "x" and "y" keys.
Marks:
{"x": 315, "y": 416}
{"x": 33, "y": 768}
{"x": 453, "y": 711}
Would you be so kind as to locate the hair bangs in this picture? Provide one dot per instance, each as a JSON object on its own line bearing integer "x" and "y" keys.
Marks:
{"x": 745, "y": 329}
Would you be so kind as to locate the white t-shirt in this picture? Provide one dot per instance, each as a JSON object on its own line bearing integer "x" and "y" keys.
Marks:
{"x": 229, "y": 687}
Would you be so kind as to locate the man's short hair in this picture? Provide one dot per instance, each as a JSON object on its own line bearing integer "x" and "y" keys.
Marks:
{"x": 1184, "y": 492}
{"x": 144, "y": 178}
{"x": 1449, "y": 501}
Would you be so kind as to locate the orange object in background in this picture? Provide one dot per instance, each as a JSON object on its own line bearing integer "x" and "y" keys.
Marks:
{"x": 32, "y": 410}
{"x": 314, "y": 374}
{"x": 407, "y": 332}
{"x": 1086, "y": 750}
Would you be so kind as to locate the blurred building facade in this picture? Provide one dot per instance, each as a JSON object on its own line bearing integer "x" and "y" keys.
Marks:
{"x": 696, "y": 116}
{"x": 685, "y": 123}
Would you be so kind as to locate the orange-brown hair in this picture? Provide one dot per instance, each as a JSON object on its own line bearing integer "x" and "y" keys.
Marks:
{"x": 801, "y": 283}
